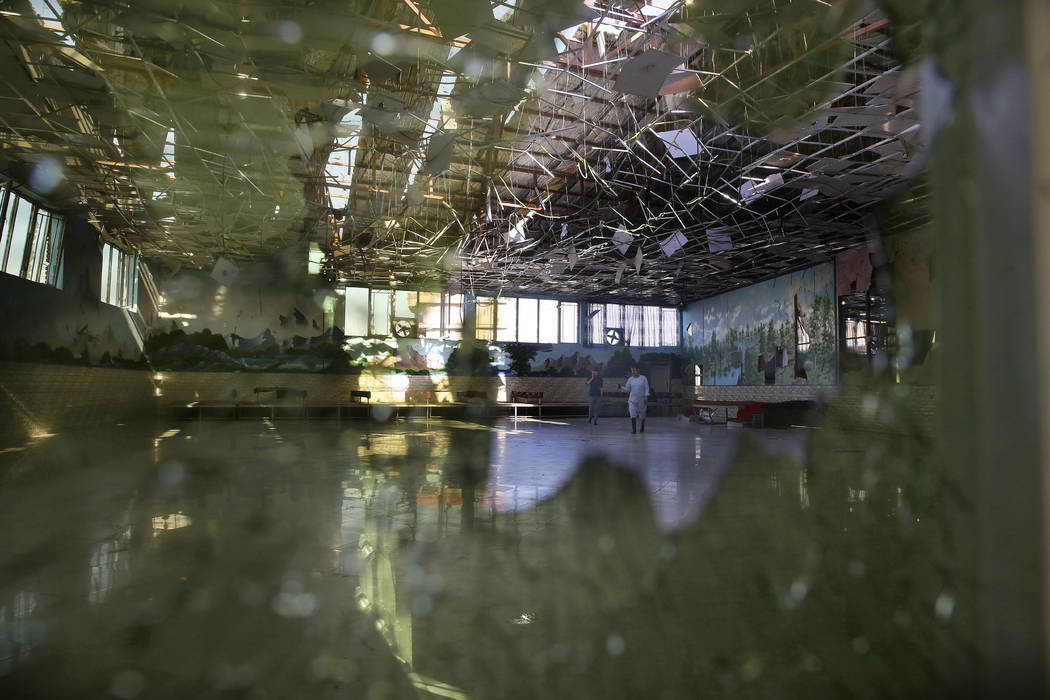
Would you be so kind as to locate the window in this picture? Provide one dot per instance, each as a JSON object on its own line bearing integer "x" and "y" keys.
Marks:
{"x": 30, "y": 240}
{"x": 569, "y": 322}
{"x": 356, "y": 311}
{"x": 453, "y": 317}
{"x": 429, "y": 314}
{"x": 643, "y": 326}
{"x": 381, "y": 312}
{"x": 651, "y": 318}
{"x": 120, "y": 278}
{"x": 405, "y": 304}
{"x": 528, "y": 320}
{"x": 549, "y": 322}
{"x": 669, "y": 327}
{"x": 596, "y": 323}
{"x": 613, "y": 317}
{"x": 440, "y": 316}
{"x": 485, "y": 318}
{"x": 507, "y": 320}
{"x": 856, "y": 337}
{"x": 45, "y": 256}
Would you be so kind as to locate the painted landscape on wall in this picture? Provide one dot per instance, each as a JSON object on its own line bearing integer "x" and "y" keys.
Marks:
{"x": 748, "y": 336}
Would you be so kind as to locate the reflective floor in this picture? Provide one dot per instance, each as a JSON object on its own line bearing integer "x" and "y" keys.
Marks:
{"x": 540, "y": 559}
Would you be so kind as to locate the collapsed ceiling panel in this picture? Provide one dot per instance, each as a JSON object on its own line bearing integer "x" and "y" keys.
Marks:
{"x": 501, "y": 147}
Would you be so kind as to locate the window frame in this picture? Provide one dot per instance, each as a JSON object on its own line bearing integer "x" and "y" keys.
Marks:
{"x": 636, "y": 320}
{"x": 123, "y": 292}
{"x": 42, "y": 256}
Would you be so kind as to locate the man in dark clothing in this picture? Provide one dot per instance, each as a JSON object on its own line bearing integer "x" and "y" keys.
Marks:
{"x": 594, "y": 385}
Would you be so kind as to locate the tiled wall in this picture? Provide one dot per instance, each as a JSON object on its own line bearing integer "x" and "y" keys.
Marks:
{"x": 186, "y": 387}
{"x": 39, "y": 399}
{"x": 566, "y": 389}
{"x": 770, "y": 394}
{"x": 880, "y": 409}
{"x": 71, "y": 318}
{"x": 919, "y": 401}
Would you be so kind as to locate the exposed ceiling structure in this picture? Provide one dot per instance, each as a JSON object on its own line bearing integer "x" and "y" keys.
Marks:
{"x": 661, "y": 150}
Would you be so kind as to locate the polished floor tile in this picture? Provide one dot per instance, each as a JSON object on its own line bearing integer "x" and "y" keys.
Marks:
{"x": 529, "y": 558}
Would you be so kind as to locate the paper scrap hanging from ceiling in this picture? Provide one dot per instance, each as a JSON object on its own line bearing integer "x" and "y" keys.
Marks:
{"x": 623, "y": 240}
{"x": 751, "y": 190}
{"x": 718, "y": 240}
{"x": 439, "y": 153}
{"x": 680, "y": 142}
{"x": 673, "y": 243}
{"x": 224, "y": 271}
{"x": 644, "y": 74}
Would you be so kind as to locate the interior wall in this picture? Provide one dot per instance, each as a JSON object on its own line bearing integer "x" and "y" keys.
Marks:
{"x": 910, "y": 260}
{"x": 901, "y": 267}
{"x": 273, "y": 317}
{"x": 853, "y": 271}
{"x": 252, "y": 300}
{"x": 746, "y": 335}
{"x": 46, "y": 324}
{"x": 40, "y": 400}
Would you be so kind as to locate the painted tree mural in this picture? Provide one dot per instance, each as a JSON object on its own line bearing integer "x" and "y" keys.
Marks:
{"x": 748, "y": 336}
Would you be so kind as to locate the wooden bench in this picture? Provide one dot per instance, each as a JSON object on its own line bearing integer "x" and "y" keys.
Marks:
{"x": 522, "y": 399}
{"x": 356, "y": 396}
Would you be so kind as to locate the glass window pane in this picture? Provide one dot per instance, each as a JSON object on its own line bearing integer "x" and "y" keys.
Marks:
{"x": 381, "y": 312}
{"x": 54, "y": 260}
{"x": 597, "y": 323}
{"x": 104, "y": 292}
{"x": 613, "y": 317}
{"x": 632, "y": 324}
{"x": 569, "y": 323}
{"x": 548, "y": 310}
{"x": 486, "y": 318}
{"x": 507, "y": 317}
{"x": 454, "y": 317}
{"x": 356, "y": 323}
{"x": 429, "y": 314}
{"x": 39, "y": 248}
{"x": 404, "y": 304}
{"x": 132, "y": 301}
{"x": 669, "y": 327}
{"x": 528, "y": 320}
{"x": 19, "y": 217}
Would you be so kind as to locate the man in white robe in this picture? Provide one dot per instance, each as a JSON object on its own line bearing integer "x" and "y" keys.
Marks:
{"x": 637, "y": 388}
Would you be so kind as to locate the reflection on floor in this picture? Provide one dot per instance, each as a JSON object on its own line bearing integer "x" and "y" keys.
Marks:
{"x": 528, "y": 558}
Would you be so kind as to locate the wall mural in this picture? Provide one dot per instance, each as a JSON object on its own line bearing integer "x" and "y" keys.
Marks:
{"x": 177, "y": 349}
{"x": 748, "y": 336}
{"x": 264, "y": 317}
{"x": 70, "y": 325}
{"x": 245, "y": 316}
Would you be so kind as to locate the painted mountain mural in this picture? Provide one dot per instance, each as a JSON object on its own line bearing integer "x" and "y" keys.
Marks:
{"x": 781, "y": 331}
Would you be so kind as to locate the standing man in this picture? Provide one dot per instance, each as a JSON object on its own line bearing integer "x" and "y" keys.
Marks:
{"x": 637, "y": 387}
{"x": 594, "y": 396}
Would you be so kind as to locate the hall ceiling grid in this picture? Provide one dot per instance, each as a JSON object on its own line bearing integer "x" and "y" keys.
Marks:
{"x": 656, "y": 151}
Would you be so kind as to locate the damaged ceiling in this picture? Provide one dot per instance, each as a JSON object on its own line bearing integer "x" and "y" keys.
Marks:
{"x": 655, "y": 150}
